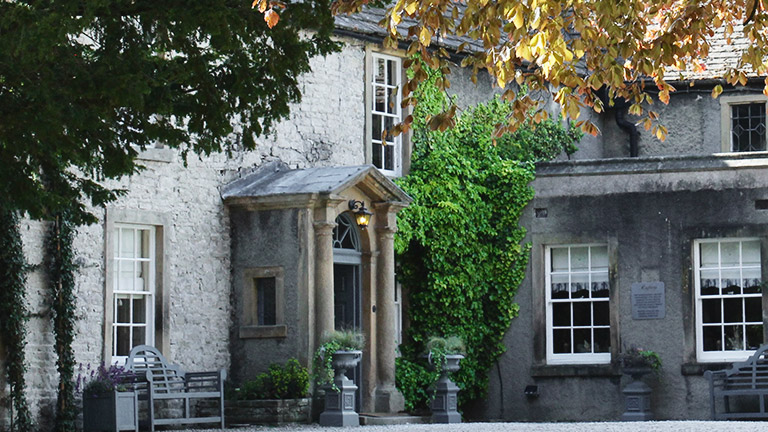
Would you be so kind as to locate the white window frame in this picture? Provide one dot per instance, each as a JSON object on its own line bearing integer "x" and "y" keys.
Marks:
{"x": 572, "y": 358}
{"x": 117, "y": 293}
{"x": 397, "y": 116}
{"x": 726, "y": 103}
{"x": 719, "y": 356}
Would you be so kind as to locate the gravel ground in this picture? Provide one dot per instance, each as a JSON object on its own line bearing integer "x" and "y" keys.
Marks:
{"x": 653, "y": 426}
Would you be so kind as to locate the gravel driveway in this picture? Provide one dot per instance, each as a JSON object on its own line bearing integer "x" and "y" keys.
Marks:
{"x": 653, "y": 426}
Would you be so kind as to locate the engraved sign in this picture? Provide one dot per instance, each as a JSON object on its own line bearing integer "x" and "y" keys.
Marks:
{"x": 648, "y": 300}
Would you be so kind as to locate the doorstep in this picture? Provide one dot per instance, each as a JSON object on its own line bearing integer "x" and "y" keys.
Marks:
{"x": 367, "y": 419}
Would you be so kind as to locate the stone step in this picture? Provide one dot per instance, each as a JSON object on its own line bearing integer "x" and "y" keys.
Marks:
{"x": 390, "y": 419}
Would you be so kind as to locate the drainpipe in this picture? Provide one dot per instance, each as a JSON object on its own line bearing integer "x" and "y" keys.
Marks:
{"x": 622, "y": 109}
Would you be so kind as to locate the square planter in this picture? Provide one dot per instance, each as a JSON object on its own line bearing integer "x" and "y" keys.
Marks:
{"x": 262, "y": 411}
{"x": 115, "y": 411}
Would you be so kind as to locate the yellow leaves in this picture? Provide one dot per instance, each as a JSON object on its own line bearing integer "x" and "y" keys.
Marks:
{"x": 661, "y": 132}
{"x": 268, "y": 9}
{"x": 411, "y": 7}
{"x": 717, "y": 91}
{"x": 425, "y": 36}
{"x": 518, "y": 19}
{"x": 271, "y": 18}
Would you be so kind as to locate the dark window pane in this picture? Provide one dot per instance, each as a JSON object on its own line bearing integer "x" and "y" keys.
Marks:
{"x": 712, "y": 338}
{"x": 389, "y": 157}
{"x": 392, "y": 72}
{"x": 600, "y": 289}
{"x": 380, "y": 93}
{"x": 123, "y": 310}
{"x": 265, "y": 288}
{"x": 753, "y": 307}
{"x": 732, "y": 310}
{"x": 393, "y": 106}
{"x": 139, "y": 336}
{"x": 582, "y": 314}
{"x": 754, "y": 336}
{"x": 376, "y": 156}
{"x": 561, "y": 314}
{"x": 123, "y": 342}
{"x": 601, "y": 314}
{"x": 734, "y": 338}
{"x": 602, "y": 340}
{"x": 710, "y": 311}
{"x": 752, "y": 286}
{"x": 376, "y": 127}
{"x": 561, "y": 341}
{"x": 139, "y": 310}
{"x": 582, "y": 340}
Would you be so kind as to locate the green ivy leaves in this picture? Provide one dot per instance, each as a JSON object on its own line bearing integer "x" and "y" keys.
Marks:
{"x": 459, "y": 244}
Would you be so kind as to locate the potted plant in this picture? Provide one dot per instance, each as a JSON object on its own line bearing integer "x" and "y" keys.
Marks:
{"x": 444, "y": 355}
{"x": 109, "y": 401}
{"x": 637, "y": 362}
{"x": 345, "y": 349}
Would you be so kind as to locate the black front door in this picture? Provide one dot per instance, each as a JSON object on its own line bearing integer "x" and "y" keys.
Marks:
{"x": 346, "y": 305}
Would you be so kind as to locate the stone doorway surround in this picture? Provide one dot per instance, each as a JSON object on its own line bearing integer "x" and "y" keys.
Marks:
{"x": 283, "y": 219}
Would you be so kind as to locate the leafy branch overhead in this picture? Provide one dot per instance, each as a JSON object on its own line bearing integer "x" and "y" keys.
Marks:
{"x": 86, "y": 84}
{"x": 572, "y": 48}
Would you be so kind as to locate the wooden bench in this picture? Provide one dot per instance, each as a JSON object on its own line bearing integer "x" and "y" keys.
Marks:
{"x": 747, "y": 380}
{"x": 158, "y": 380}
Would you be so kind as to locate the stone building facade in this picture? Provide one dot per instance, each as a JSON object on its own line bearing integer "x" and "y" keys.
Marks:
{"x": 686, "y": 218}
{"x": 164, "y": 265}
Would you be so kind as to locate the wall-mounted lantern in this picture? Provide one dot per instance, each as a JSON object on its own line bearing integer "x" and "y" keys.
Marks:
{"x": 362, "y": 215}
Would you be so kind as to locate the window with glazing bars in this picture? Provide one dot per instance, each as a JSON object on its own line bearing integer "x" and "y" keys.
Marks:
{"x": 729, "y": 311}
{"x": 748, "y": 127}
{"x": 578, "y": 304}
{"x": 385, "y": 112}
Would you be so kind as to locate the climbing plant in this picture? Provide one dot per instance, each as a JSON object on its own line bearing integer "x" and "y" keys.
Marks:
{"x": 61, "y": 279}
{"x": 459, "y": 244}
{"x": 13, "y": 311}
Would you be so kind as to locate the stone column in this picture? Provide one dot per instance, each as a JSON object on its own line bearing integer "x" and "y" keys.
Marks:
{"x": 388, "y": 399}
{"x": 323, "y": 279}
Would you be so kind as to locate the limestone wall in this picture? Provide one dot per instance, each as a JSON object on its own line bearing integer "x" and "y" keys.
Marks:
{"x": 325, "y": 129}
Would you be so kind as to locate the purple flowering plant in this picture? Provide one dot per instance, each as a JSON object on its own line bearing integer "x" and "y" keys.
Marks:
{"x": 639, "y": 357}
{"x": 102, "y": 380}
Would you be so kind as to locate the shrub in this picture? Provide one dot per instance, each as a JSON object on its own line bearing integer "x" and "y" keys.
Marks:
{"x": 290, "y": 381}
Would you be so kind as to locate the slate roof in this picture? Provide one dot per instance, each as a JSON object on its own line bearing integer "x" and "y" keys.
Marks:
{"x": 366, "y": 23}
{"x": 276, "y": 178}
{"x": 722, "y": 55}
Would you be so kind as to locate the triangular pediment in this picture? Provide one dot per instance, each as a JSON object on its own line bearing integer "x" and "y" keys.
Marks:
{"x": 276, "y": 185}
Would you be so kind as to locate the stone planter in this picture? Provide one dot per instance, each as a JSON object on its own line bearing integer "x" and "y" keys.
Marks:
{"x": 637, "y": 395}
{"x": 115, "y": 411}
{"x": 261, "y": 411}
{"x": 445, "y": 404}
{"x": 340, "y": 395}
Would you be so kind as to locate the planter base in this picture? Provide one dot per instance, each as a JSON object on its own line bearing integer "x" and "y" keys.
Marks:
{"x": 637, "y": 399}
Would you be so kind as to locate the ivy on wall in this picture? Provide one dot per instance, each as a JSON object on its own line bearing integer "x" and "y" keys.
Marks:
{"x": 13, "y": 311}
{"x": 459, "y": 244}
{"x": 61, "y": 280}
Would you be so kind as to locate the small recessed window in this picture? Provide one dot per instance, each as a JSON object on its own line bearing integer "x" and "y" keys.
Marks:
{"x": 748, "y": 127}
{"x": 266, "y": 302}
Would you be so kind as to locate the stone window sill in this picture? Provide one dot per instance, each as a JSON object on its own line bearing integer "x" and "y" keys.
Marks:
{"x": 263, "y": 332}
{"x": 700, "y": 368}
{"x": 587, "y": 370}
{"x": 164, "y": 155}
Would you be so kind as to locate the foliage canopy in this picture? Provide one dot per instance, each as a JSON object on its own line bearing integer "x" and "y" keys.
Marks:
{"x": 631, "y": 47}
{"x": 86, "y": 84}
{"x": 459, "y": 244}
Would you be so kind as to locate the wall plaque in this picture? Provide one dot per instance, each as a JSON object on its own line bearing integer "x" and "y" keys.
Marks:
{"x": 648, "y": 300}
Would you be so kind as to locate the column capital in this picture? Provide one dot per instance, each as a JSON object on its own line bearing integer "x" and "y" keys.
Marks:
{"x": 323, "y": 228}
